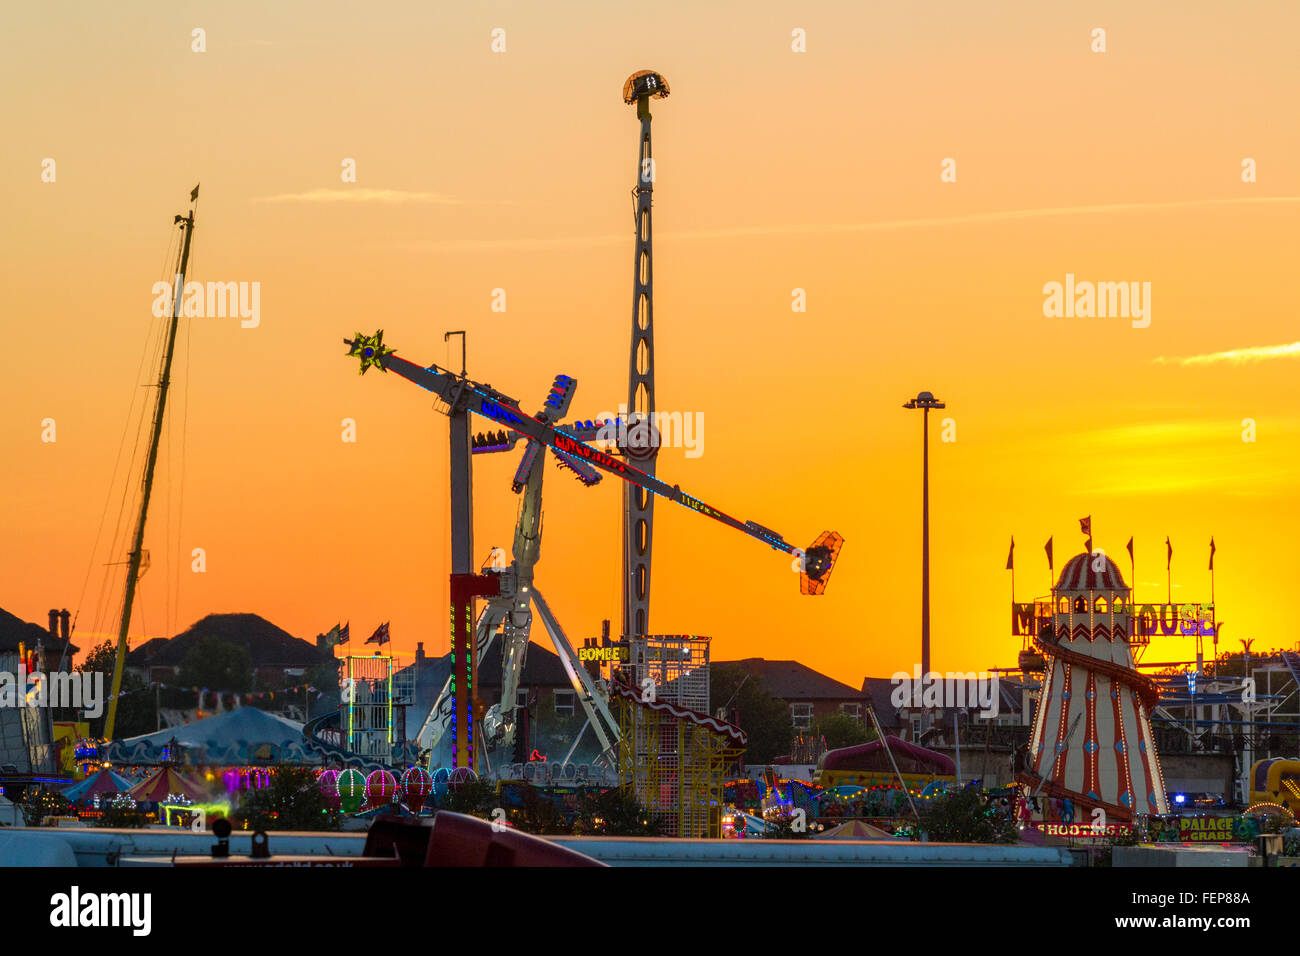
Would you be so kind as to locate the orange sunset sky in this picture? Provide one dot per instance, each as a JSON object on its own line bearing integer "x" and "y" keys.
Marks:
{"x": 776, "y": 170}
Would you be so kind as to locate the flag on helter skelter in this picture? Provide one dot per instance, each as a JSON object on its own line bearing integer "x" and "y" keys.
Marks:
{"x": 1048, "y": 548}
{"x": 1169, "y": 554}
{"x": 1011, "y": 554}
{"x": 380, "y": 636}
{"x": 1131, "y": 559}
{"x": 1211, "y": 552}
{"x": 1085, "y": 527}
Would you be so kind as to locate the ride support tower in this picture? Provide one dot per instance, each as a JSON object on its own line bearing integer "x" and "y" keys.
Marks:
{"x": 641, "y": 445}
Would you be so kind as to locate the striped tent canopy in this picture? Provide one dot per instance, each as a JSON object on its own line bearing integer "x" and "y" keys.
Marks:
{"x": 1079, "y": 574}
{"x": 856, "y": 830}
{"x": 106, "y": 781}
{"x": 238, "y": 738}
{"x": 163, "y": 784}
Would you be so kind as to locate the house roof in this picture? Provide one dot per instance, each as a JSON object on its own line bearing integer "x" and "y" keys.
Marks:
{"x": 267, "y": 645}
{"x": 14, "y": 629}
{"x": 542, "y": 667}
{"x": 792, "y": 681}
{"x": 879, "y": 690}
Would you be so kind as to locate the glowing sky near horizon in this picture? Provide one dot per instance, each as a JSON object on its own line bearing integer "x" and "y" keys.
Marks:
{"x": 775, "y": 171}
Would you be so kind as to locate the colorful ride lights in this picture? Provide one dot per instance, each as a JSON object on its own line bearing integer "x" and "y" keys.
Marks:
{"x": 416, "y": 785}
{"x": 381, "y": 788}
{"x": 351, "y": 789}
{"x": 559, "y": 391}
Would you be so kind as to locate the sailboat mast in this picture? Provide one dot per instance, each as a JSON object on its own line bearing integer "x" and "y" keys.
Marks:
{"x": 155, "y": 436}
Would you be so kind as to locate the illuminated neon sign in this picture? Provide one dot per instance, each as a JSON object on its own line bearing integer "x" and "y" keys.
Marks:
{"x": 493, "y": 410}
{"x": 603, "y": 654}
{"x": 1148, "y": 620}
{"x": 572, "y": 447}
{"x": 695, "y": 504}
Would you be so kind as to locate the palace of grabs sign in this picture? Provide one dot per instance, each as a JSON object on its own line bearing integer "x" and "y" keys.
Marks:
{"x": 1146, "y": 620}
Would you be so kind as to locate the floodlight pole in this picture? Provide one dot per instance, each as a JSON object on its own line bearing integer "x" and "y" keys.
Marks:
{"x": 925, "y": 401}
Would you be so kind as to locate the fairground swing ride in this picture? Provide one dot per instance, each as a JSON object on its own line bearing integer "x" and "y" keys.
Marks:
{"x": 511, "y": 590}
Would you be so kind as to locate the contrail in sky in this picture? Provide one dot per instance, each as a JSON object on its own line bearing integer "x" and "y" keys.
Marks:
{"x": 467, "y": 244}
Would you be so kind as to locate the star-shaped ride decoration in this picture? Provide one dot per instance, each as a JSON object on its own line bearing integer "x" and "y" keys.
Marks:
{"x": 370, "y": 349}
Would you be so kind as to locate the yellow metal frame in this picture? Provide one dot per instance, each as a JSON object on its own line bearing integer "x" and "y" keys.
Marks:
{"x": 675, "y": 768}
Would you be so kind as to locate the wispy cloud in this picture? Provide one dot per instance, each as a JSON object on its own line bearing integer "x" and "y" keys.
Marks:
{"x": 1255, "y": 353}
{"x": 1147, "y": 435}
{"x": 885, "y": 225}
{"x": 362, "y": 195}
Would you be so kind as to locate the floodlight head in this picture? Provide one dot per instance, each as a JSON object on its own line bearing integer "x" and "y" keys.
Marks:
{"x": 924, "y": 400}
{"x": 644, "y": 84}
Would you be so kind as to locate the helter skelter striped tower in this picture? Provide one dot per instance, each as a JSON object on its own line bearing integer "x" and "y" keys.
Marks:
{"x": 1092, "y": 739}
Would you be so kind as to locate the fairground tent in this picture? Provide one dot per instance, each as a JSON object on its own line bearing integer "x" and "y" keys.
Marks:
{"x": 106, "y": 781}
{"x": 164, "y": 784}
{"x": 856, "y": 830}
{"x": 236, "y": 738}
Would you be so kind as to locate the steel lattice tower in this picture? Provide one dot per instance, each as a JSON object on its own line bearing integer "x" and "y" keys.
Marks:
{"x": 640, "y": 440}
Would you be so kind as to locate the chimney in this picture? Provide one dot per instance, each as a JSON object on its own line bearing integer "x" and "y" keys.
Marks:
{"x": 64, "y": 627}
{"x": 54, "y": 622}
{"x": 419, "y": 650}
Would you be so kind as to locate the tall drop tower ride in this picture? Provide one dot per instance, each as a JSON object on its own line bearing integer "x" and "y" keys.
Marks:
{"x": 641, "y": 444}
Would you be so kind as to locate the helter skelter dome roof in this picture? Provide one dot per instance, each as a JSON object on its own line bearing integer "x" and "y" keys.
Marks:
{"x": 1078, "y": 574}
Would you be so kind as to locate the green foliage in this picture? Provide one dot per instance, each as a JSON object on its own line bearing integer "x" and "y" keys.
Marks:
{"x": 841, "y": 730}
{"x": 120, "y": 816}
{"x": 217, "y": 664}
{"x": 477, "y": 798}
{"x": 613, "y": 813}
{"x": 135, "y": 706}
{"x": 964, "y": 816}
{"x": 765, "y": 720}
{"x": 1105, "y": 853}
{"x": 783, "y": 828}
{"x": 292, "y": 801}
{"x": 39, "y": 803}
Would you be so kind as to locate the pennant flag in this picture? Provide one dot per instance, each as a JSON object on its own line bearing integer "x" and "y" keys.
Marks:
{"x": 1085, "y": 527}
{"x": 1048, "y": 548}
{"x": 1169, "y": 556}
{"x": 1130, "y": 550}
{"x": 1011, "y": 554}
{"x": 345, "y": 634}
{"x": 195, "y": 193}
{"x": 1211, "y": 552}
{"x": 380, "y": 636}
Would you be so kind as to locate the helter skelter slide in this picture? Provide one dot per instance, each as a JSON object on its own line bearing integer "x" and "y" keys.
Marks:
{"x": 1092, "y": 742}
